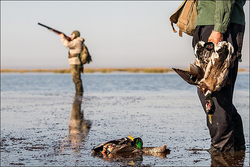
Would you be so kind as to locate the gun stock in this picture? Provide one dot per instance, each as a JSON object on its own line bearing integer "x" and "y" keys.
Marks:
{"x": 56, "y": 31}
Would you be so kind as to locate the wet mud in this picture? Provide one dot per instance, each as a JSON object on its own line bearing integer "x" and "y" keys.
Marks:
{"x": 58, "y": 129}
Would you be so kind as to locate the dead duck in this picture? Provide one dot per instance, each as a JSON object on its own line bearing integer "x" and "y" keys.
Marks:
{"x": 216, "y": 72}
{"x": 127, "y": 145}
{"x": 209, "y": 70}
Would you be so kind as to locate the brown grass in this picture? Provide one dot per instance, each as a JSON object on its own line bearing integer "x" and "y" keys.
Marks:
{"x": 102, "y": 70}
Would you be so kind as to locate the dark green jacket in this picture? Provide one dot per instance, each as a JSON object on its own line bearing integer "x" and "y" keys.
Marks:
{"x": 220, "y": 13}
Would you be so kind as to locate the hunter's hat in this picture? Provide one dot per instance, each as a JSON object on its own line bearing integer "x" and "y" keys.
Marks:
{"x": 77, "y": 33}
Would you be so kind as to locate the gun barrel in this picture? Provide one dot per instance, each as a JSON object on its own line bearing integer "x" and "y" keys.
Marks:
{"x": 52, "y": 29}
{"x": 44, "y": 26}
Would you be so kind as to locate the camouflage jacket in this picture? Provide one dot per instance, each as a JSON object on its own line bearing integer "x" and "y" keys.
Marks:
{"x": 220, "y": 13}
{"x": 75, "y": 47}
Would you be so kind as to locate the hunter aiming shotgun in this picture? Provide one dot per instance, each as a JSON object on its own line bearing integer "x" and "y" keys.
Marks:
{"x": 58, "y": 32}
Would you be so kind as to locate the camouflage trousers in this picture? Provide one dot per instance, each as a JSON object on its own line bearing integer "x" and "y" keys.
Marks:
{"x": 76, "y": 71}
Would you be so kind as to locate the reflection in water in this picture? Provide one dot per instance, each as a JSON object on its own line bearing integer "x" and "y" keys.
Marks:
{"x": 78, "y": 126}
{"x": 125, "y": 158}
{"x": 228, "y": 159}
{"x": 130, "y": 157}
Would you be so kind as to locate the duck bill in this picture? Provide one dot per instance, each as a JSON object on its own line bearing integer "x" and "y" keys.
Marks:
{"x": 210, "y": 118}
{"x": 131, "y": 137}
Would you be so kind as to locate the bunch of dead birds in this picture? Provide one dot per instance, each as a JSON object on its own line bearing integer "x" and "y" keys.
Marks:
{"x": 209, "y": 72}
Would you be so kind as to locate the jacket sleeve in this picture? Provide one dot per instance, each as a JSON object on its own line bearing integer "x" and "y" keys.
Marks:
{"x": 223, "y": 11}
{"x": 69, "y": 44}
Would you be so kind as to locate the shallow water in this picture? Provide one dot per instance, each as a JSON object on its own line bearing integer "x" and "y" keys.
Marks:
{"x": 43, "y": 124}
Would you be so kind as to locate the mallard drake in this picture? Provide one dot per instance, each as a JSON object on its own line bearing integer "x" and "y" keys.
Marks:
{"x": 209, "y": 70}
{"x": 128, "y": 145}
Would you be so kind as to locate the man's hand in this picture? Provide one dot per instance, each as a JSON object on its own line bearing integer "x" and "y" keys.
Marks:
{"x": 62, "y": 35}
{"x": 215, "y": 37}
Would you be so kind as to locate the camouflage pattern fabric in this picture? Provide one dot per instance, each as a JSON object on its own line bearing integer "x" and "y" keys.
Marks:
{"x": 76, "y": 71}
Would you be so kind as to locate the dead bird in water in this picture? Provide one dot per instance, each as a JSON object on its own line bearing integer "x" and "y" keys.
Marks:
{"x": 209, "y": 72}
{"x": 127, "y": 146}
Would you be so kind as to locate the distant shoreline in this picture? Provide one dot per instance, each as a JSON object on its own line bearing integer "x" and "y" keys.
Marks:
{"x": 100, "y": 70}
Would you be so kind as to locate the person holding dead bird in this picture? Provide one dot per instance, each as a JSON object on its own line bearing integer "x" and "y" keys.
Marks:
{"x": 222, "y": 21}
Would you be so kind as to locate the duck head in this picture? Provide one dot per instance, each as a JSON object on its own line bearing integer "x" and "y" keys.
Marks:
{"x": 137, "y": 142}
{"x": 202, "y": 46}
{"x": 209, "y": 46}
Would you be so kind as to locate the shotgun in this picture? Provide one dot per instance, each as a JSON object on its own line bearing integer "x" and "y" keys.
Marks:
{"x": 58, "y": 32}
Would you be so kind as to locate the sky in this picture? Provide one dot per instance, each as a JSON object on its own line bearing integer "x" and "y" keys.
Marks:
{"x": 118, "y": 34}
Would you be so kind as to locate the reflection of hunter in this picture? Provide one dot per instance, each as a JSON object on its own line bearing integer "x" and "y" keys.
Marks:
{"x": 78, "y": 127}
{"x": 228, "y": 159}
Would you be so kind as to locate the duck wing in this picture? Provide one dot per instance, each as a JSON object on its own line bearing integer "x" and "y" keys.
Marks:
{"x": 124, "y": 148}
{"x": 185, "y": 75}
{"x": 99, "y": 148}
{"x": 196, "y": 71}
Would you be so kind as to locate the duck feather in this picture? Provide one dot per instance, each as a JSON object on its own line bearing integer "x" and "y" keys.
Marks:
{"x": 185, "y": 75}
{"x": 211, "y": 66}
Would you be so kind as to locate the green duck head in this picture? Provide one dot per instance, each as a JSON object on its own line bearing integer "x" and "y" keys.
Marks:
{"x": 137, "y": 142}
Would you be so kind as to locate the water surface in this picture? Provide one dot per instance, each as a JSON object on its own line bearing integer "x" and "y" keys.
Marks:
{"x": 43, "y": 124}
